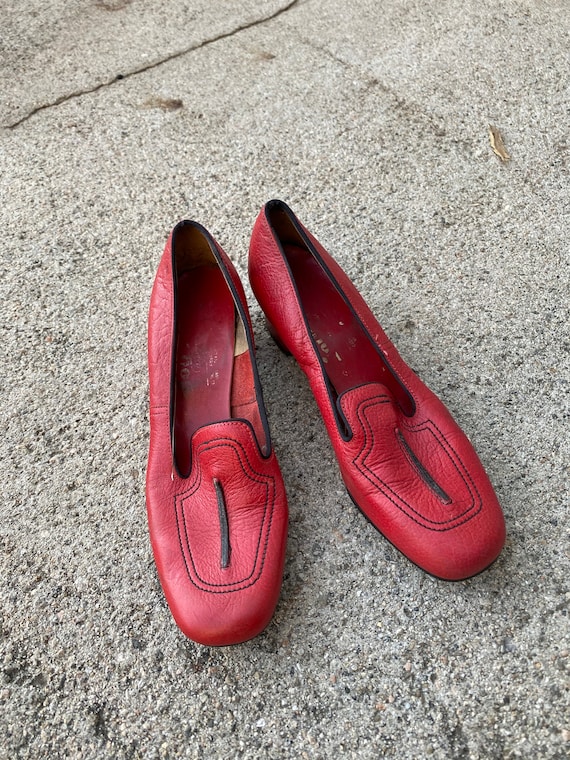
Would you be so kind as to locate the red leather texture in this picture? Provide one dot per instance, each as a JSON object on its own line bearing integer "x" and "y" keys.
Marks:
{"x": 218, "y": 532}
{"x": 404, "y": 460}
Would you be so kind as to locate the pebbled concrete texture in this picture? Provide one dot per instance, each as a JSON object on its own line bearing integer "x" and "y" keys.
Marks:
{"x": 371, "y": 121}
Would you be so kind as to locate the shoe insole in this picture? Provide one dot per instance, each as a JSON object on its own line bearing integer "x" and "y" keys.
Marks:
{"x": 204, "y": 356}
{"x": 349, "y": 357}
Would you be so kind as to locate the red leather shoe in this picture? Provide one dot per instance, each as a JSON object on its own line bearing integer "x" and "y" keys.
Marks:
{"x": 216, "y": 503}
{"x": 405, "y": 462}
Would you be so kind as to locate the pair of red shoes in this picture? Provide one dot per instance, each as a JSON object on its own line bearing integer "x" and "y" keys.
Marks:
{"x": 216, "y": 503}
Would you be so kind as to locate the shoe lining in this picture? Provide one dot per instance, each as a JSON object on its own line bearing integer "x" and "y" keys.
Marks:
{"x": 204, "y": 356}
{"x": 348, "y": 355}
{"x": 213, "y": 373}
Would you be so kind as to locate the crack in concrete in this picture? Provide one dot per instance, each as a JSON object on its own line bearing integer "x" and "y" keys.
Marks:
{"x": 150, "y": 66}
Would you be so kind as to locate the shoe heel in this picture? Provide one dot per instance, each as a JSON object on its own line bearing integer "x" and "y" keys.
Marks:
{"x": 276, "y": 338}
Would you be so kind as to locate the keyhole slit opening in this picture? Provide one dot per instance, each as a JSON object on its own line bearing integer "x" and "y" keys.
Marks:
{"x": 224, "y": 528}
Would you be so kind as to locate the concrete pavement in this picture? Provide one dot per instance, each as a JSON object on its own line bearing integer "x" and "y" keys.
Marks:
{"x": 118, "y": 118}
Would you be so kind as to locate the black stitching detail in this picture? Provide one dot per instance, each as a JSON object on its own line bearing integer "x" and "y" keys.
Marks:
{"x": 445, "y": 443}
{"x": 409, "y": 506}
{"x": 192, "y": 491}
{"x": 219, "y": 588}
{"x": 363, "y": 470}
{"x": 228, "y": 584}
{"x": 227, "y": 587}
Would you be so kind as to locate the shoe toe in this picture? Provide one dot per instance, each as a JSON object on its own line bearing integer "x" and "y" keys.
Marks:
{"x": 220, "y": 555}
{"x": 420, "y": 482}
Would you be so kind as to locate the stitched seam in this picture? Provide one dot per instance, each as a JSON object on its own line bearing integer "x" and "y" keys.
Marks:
{"x": 264, "y": 480}
{"x": 227, "y": 586}
{"x": 242, "y": 580}
{"x": 362, "y": 467}
{"x": 445, "y": 443}
{"x": 409, "y": 506}
{"x": 433, "y": 522}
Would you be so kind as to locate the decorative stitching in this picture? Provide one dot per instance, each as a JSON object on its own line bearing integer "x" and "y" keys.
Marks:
{"x": 219, "y": 588}
{"x": 456, "y": 521}
{"x": 242, "y": 580}
{"x": 446, "y": 444}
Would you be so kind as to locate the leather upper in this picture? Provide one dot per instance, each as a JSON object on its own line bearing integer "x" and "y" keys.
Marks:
{"x": 218, "y": 535}
{"x": 405, "y": 461}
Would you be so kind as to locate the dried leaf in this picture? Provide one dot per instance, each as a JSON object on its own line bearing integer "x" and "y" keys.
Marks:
{"x": 166, "y": 104}
{"x": 265, "y": 55}
{"x": 113, "y": 5}
{"x": 497, "y": 143}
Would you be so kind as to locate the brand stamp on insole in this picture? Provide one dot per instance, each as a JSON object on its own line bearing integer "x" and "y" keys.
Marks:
{"x": 197, "y": 366}
{"x": 325, "y": 349}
